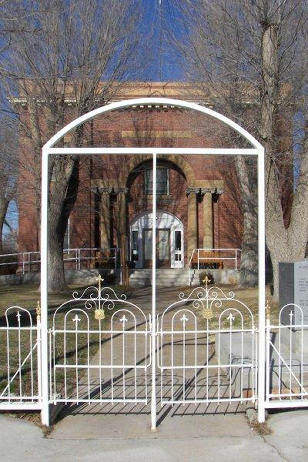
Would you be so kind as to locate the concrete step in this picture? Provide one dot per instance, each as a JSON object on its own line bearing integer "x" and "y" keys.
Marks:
{"x": 177, "y": 277}
{"x": 165, "y": 277}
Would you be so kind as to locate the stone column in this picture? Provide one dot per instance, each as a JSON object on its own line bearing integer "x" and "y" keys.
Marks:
{"x": 192, "y": 220}
{"x": 122, "y": 231}
{"x": 208, "y": 240}
{"x": 104, "y": 222}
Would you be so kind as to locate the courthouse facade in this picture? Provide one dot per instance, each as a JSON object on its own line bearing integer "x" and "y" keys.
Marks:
{"x": 198, "y": 198}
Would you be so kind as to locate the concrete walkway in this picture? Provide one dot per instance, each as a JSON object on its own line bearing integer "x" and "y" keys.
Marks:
{"x": 190, "y": 439}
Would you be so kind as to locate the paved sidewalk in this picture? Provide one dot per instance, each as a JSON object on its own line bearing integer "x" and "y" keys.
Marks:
{"x": 189, "y": 439}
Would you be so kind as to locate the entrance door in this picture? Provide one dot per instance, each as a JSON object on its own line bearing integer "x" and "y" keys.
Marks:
{"x": 162, "y": 248}
{"x": 170, "y": 241}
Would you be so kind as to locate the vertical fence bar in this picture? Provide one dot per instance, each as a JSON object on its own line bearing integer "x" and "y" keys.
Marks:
{"x": 39, "y": 355}
{"x": 44, "y": 287}
{"x": 261, "y": 281}
{"x": 153, "y": 339}
{"x": 268, "y": 365}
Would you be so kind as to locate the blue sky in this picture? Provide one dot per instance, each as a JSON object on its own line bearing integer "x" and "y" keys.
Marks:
{"x": 165, "y": 64}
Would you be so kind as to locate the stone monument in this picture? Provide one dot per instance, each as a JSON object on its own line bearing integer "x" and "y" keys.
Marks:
{"x": 293, "y": 288}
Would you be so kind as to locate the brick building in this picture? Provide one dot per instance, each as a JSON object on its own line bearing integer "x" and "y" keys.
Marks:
{"x": 198, "y": 199}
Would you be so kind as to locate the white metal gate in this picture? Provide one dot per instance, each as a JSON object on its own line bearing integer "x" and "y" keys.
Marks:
{"x": 92, "y": 361}
{"x": 207, "y": 349}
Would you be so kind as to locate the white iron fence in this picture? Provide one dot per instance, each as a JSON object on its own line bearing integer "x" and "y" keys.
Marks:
{"x": 81, "y": 258}
{"x": 100, "y": 351}
{"x": 287, "y": 359}
{"x": 20, "y": 365}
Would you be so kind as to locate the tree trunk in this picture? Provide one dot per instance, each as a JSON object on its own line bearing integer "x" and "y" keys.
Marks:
{"x": 249, "y": 257}
{"x": 274, "y": 215}
{"x": 63, "y": 192}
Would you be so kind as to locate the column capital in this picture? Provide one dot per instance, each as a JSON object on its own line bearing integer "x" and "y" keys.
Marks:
{"x": 204, "y": 191}
{"x": 104, "y": 190}
{"x": 193, "y": 190}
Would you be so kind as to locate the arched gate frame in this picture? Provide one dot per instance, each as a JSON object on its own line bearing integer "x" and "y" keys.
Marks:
{"x": 49, "y": 150}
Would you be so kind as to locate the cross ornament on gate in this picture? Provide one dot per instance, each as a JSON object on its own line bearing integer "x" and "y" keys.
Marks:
{"x": 99, "y": 280}
{"x": 205, "y": 281}
{"x": 231, "y": 318}
{"x": 123, "y": 319}
{"x": 76, "y": 319}
{"x": 184, "y": 319}
{"x": 291, "y": 314}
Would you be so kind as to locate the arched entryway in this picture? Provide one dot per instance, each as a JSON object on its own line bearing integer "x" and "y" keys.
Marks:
{"x": 154, "y": 330}
{"x": 169, "y": 242}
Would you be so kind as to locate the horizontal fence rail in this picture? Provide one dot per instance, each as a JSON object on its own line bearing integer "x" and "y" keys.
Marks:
{"x": 79, "y": 258}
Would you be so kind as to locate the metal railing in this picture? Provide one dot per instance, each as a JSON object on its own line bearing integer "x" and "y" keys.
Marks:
{"x": 80, "y": 258}
{"x": 204, "y": 257}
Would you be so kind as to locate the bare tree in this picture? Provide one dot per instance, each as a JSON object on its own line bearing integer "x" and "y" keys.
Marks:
{"x": 61, "y": 52}
{"x": 251, "y": 53}
{"x": 8, "y": 176}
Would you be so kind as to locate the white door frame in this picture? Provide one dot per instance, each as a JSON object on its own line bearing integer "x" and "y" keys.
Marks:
{"x": 256, "y": 150}
{"x": 164, "y": 220}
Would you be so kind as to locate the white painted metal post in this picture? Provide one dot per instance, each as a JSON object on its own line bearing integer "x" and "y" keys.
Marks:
{"x": 153, "y": 338}
{"x": 44, "y": 288}
{"x": 261, "y": 279}
{"x": 39, "y": 353}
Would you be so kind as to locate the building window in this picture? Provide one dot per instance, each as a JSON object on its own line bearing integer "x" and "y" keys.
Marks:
{"x": 162, "y": 181}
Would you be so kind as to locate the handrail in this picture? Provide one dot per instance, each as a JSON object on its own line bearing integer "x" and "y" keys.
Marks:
{"x": 201, "y": 258}
{"x": 26, "y": 259}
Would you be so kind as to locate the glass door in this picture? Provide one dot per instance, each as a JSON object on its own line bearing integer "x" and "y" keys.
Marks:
{"x": 162, "y": 248}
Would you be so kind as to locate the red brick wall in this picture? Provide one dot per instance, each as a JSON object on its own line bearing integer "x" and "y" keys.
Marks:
{"x": 142, "y": 127}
